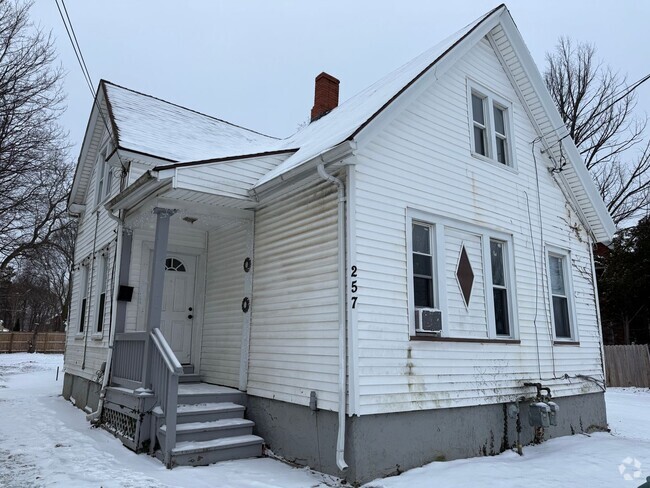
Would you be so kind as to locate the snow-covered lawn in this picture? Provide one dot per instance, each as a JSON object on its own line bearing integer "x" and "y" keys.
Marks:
{"x": 45, "y": 441}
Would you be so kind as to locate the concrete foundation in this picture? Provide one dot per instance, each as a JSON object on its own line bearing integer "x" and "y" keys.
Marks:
{"x": 84, "y": 391}
{"x": 381, "y": 445}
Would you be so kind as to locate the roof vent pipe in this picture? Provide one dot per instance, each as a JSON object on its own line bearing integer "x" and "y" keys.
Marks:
{"x": 326, "y": 95}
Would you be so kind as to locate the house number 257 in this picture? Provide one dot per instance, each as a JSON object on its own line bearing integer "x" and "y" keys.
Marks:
{"x": 353, "y": 287}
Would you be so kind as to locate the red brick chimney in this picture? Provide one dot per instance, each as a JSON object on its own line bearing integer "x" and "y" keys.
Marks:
{"x": 326, "y": 95}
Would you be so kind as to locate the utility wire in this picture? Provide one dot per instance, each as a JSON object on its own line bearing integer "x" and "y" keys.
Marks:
{"x": 618, "y": 97}
{"x": 77, "y": 52}
{"x": 72, "y": 36}
{"x": 76, "y": 43}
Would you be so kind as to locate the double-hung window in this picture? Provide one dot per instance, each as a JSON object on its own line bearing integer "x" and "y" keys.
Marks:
{"x": 559, "y": 287}
{"x": 480, "y": 127}
{"x": 101, "y": 288}
{"x": 104, "y": 176}
{"x": 498, "y": 254}
{"x": 83, "y": 304}
{"x": 490, "y": 124}
{"x": 422, "y": 265}
{"x": 471, "y": 297}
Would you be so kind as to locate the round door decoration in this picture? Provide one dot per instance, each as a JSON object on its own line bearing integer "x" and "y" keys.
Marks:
{"x": 247, "y": 265}
{"x": 245, "y": 304}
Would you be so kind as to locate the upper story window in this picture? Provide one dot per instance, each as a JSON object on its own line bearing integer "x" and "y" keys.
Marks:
{"x": 491, "y": 122}
{"x": 104, "y": 176}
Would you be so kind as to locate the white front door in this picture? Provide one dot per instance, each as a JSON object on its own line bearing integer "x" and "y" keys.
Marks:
{"x": 178, "y": 304}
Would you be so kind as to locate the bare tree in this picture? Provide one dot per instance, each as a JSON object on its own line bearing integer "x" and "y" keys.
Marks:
{"x": 34, "y": 172}
{"x": 598, "y": 111}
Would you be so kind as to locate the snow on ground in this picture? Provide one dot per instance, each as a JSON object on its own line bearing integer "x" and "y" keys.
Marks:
{"x": 45, "y": 441}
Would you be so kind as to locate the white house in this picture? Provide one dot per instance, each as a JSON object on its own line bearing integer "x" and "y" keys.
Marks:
{"x": 382, "y": 289}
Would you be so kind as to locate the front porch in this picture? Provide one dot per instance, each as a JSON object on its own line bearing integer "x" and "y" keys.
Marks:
{"x": 179, "y": 360}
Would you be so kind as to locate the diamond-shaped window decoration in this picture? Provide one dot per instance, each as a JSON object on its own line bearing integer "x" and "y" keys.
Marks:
{"x": 465, "y": 275}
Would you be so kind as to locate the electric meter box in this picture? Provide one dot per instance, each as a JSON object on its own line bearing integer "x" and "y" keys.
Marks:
{"x": 552, "y": 417}
{"x": 538, "y": 414}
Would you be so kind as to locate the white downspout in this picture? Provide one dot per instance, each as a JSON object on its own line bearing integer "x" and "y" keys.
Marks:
{"x": 340, "y": 440}
{"x": 96, "y": 416}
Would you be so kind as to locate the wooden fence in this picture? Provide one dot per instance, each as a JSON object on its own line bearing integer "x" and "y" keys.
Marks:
{"x": 628, "y": 365}
{"x": 53, "y": 342}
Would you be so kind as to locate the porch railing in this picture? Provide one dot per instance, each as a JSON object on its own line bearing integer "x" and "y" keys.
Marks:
{"x": 128, "y": 356}
{"x": 165, "y": 371}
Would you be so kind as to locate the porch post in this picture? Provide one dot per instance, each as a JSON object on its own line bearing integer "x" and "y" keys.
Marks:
{"x": 157, "y": 282}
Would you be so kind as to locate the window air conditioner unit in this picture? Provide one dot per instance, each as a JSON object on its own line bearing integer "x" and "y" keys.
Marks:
{"x": 428, "y": 320}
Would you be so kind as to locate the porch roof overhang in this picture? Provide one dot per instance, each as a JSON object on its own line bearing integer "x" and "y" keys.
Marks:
{"x": 167, "y": 190}
{"x": 144, "y": 187}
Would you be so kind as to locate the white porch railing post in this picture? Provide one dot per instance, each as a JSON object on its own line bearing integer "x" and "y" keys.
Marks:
{"x": 156, "y": 282}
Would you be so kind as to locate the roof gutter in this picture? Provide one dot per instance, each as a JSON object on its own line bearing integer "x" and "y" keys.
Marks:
{"x": 142, "y": 188}
{"x": 337, "y": 153}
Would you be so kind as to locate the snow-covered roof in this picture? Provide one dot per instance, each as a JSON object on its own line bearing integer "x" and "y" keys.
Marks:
{"x": 158, "y": 128}
{"x": 348, "y": 118}
{"x": 153, "y": 126}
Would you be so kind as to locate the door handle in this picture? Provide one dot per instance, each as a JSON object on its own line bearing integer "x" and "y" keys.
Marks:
{"x": 190, "y": 316}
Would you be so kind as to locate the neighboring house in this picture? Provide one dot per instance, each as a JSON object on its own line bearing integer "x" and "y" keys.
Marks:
{"x": 380, "y": 289}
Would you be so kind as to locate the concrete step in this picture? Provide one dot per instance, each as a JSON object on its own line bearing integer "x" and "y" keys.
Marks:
{"x": 207, "y": 412}
{"x": 203, "y": 453}
{"x": 189, "y": 378}
{"x": 205, "y": 431}
{"x": 189, "y": 393}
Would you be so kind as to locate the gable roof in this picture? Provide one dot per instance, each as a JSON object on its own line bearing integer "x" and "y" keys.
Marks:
{"x": 152, "y": 126}
{"x": 149, "y": 125}
{"x": 359, "y": 112}
{"x": 348, "y": 119}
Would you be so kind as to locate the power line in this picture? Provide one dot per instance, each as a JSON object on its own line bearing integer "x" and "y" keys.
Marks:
{"x": 76, "y": 42}
{"x": 77, "y": 52}
{"x": 618, "y": 97}
{"x": 72, "y": 36}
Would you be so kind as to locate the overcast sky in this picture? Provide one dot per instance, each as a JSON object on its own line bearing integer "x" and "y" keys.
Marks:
{"x": 253, "y": 63}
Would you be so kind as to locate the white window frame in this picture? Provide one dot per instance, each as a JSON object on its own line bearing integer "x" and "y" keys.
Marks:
{"x": 490, "y": 100}
{"x": 84, "y": 294}
{"x": 438, "y": 225}
{"x": 104, "y": 176}
{"x": 565, "y": 255}
{"x": 102, "y": 288}
{"x": 508, "y": 287}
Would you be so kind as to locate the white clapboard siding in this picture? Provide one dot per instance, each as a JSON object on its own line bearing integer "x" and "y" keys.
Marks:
{"x": 90, "y": 348}
{"x": 228, "y": 178}
{"x": 294, "y": 345}
{"x": 223, "y": 320}
{"x": 465, "y": 320}
{"x": 422, "y": 160}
